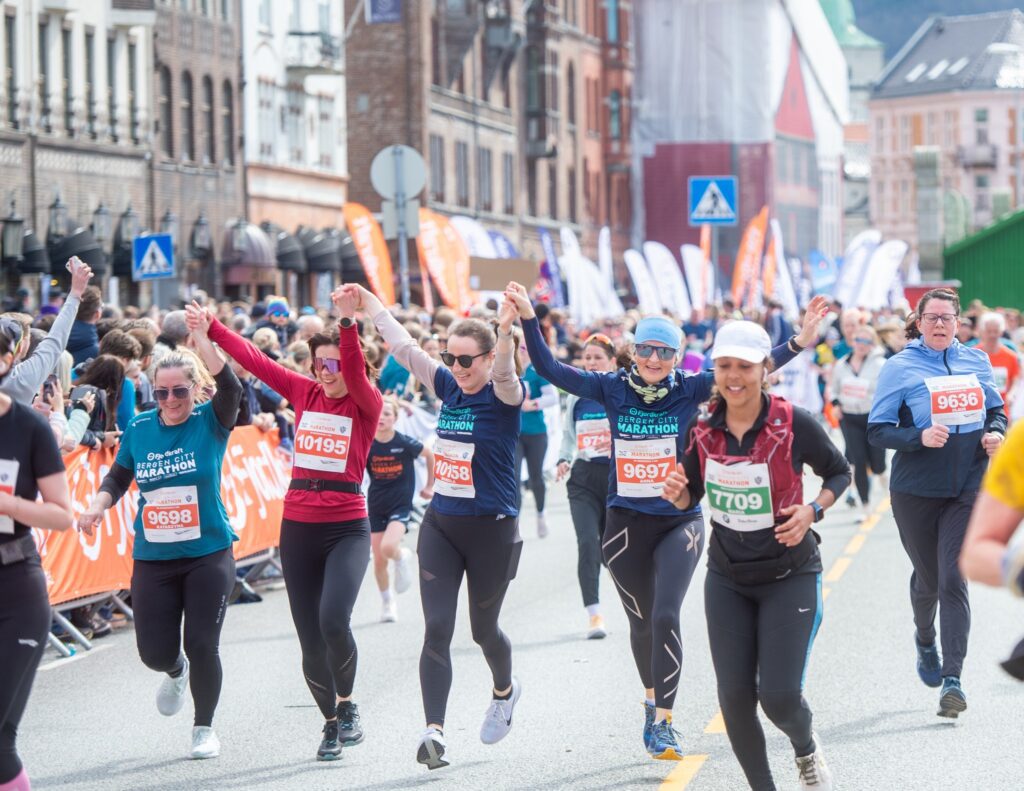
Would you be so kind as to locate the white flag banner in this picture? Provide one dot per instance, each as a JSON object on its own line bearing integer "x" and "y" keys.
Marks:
{"x": 477, "y": 240}
{"x": 798, "y": 382}
{"x": 669, "y": 279}
{"x": 784, "y": 291}
{"x": 585, "y": 301}
{"x": 570, "y": 244}
{"x": 855, "y": 261}
{"x": 604, "y": 256}
{"x": 643, "y": 284}
{"x": 604, "y": 292}
{"x": 696, "y": 275}
{"x": 880, "y": 273}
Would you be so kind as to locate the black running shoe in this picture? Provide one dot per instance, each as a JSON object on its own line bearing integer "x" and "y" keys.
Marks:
{"x": 330, "y": 747}
{"x": 350, "y": 732}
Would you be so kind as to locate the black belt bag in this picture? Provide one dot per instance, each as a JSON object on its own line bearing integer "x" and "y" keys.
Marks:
{"x": 18, "y": 550}
{"x": 759, "y": 572}
{"x": 317, "y": 485}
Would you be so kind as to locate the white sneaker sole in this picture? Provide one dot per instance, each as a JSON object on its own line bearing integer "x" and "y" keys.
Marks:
{"x": 431, "y": 754}
{"x": 517, "y": 691}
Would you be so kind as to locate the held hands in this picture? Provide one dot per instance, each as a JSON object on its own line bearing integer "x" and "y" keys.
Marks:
{"x": 561, "y": 471}
{"x": 347, "y": 300}
{"x": 991, "y": 442}
{"x": 198, "y": 320}
{"x": 110, "y": 438}
{"x": 518, "y": 294}
{"x": 936, "y": 436}
{"x": 81, "y": 272}
{"x": 529, "y": 405}
{"x": 88, "y": 521}
{"x": 816, "y": 311}
{"x": 675, "y": 484}
{"x": 507, "y": 315}
{"x": 792, "y": 531}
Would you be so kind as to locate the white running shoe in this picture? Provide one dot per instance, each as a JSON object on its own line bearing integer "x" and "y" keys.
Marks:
{"x": 403, "y": 570}
{"x": 498, "y": 719}
{"x": 205, "y": 743}
{"x": 542, "y": 526}
{"x": 432, "y": 748}
{"x": 814, "y": 772}
{"x": 171, "y": 695}
{"x": 389, "y": 612}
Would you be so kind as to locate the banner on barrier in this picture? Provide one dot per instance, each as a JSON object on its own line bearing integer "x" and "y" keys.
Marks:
{"x": 253, "y": 485}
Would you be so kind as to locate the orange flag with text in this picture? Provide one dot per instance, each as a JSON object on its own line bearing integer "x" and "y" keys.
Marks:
{"x": 748, "y": 259}
{"x": 373, "y": 250}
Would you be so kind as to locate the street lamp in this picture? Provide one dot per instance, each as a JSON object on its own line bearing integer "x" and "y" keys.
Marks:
{"x": 1008, "y": 49}
{"x": 58, "y": 218}
{"x": 202, "y": 240}
{"x": 128, "y": 225}
{"x": 101, "y": 224}
{"x": 13, "y": 234}
{"x": 169, "y": 225}
{"x": 239, "y": 232}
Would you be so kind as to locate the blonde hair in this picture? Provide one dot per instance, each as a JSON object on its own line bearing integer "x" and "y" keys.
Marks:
{"x": 193, "y": 366}
{"x": 265, "y": 339}
{"x": 63, "y": 371}
{"x": 391, "y": 401}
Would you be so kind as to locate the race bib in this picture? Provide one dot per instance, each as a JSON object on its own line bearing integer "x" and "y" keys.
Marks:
{"x": 593, "y": 438}
{"x": 956, "y": 400}
{"x": 740, "y": 495}
{"x": 1001, "y": 376}
{"x": 8, "y": 480}
{"x": 453, "y": 468}
{"x": 171, "y": 515}
{"x": 322, "y": 442}
{"x": 641, "y": 466}
{"x": 855, "y": 389}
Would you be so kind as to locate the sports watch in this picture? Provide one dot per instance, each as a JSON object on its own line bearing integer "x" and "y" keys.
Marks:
{"x": 819, "y": 512}
{"x": 346, "y": 322}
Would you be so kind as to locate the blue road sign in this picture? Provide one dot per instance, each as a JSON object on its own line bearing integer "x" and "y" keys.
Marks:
{"x": 712, "y": 200}
{"x": 380, "y": 11}
{"x": 152, "y": 257}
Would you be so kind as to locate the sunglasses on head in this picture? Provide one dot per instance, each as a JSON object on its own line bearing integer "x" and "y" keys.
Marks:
{"x": 329, "y": 364}
{"x": 645, "y": 350}
{"x": 179, "y": 392}
{"x": 863, "y": 341}
{"x": 465, "y": 360}
{"x": 599, "y": 337}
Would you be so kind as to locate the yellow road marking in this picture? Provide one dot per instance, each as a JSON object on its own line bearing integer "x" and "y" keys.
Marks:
{"x": 685, "y": 772}
{"x": 717, "y": 724}
{"x": 838, "y": 569}
{"x": 855, "y": 544}
{"x": 884, "y": 505}
{"x": 869, "y": 523}
{"x": 825, "y": 592}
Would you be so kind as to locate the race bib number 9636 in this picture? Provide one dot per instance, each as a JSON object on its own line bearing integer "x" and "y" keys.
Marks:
{"x": 956, "y": 400}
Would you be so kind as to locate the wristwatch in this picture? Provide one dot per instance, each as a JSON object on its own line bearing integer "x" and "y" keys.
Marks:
{"x": 819, "y": 512}
{"x": 345, "y": 322}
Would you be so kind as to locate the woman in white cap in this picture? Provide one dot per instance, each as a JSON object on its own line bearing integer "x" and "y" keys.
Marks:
{"x": 651, "y": 548}
{"x": 762, "y": 593}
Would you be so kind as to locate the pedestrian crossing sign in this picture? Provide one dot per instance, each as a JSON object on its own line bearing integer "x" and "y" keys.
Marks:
{"x": 712, "y": 200}
{"x": 152, "y": 257}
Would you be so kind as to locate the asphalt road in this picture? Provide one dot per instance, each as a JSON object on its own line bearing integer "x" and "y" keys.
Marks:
{"x": 92, "y": 722}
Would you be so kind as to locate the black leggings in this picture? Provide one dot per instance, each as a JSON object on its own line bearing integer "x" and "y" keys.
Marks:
{"x": 932, "y": 531}
{"x": 324, "y": 565}
{"x": 533, "y": 448}
{"x": 196, "y": 589}
{"x": 24, "y": 624}
{"x": 484, "y": 549}
{"x": 862, "y": 455}
{"x": 652, "y": 560}
{"x": 761, "y": 637}
{"x": 588, "y": 497}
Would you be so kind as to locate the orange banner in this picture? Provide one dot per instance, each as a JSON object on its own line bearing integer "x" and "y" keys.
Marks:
{"x": 748, "y": 260}
{"x": 433, "y": 252}
{"x": 458, "y": 258}
{"x": 707, "y": 267}
{"x": 771, "y": 262}
{"x": 253, "y": 484}
{"x": 373, "y": 250}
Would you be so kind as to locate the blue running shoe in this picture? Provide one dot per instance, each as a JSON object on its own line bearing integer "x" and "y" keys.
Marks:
{"x": 648, "y": 724}
{"x": 664, "y": 744}
{"x": 929, "y": 664}
{"x": 952, "y": 700}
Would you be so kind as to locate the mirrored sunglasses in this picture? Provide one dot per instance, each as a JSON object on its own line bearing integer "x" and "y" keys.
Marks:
{"x": 665, "y": 353}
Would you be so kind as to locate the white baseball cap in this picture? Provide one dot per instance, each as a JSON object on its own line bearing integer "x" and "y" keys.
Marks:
{"x": 744, "y": 340}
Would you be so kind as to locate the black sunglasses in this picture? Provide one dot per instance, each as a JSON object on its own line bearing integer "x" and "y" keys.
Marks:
{"x": 163, "y": 393}
{"x": 645, "y": 350}
{"x": 465, "y": 360}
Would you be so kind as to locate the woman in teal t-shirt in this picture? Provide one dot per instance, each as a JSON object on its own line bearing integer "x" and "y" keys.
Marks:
{"x": 533, "y": 436}
{"x": 184, "y": 567}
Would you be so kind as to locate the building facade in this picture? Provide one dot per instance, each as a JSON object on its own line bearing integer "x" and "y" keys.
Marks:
{"x": 944, "y": 111}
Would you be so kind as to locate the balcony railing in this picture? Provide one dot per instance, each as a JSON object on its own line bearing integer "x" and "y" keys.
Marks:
{"x": 313, "y": 53}
{"x": 979, "y": 155}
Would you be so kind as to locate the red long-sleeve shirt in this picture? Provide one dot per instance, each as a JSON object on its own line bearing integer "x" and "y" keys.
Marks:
{"x": 336, "y": 433}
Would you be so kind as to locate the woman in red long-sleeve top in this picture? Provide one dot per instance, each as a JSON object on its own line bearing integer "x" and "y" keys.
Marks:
{"x": 325, "y": 534}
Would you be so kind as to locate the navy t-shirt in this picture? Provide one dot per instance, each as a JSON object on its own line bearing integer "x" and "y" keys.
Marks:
{"x": 28, "y": 452}
{"x": 392, "y": 471}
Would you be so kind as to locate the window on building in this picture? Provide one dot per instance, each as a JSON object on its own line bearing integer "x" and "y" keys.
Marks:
{"x": 90, "y": 84}
{"x": 615, "y": 116}
{"x": 324, "y": 16}
{"x": 982, "y": 198}
{"x": 552, "y": 190}
{"x": 531, "y": 187}
{"x": 134, "y": 132}
{"x": 266, "y": 14}
{"x": 188, "y": 128}
{"x": 209, "y": 133}
{"x": 981, "y": 126}
{"x": 267, "y": 131}
{"x": 227, "y": 112}
{"x": 879, "y": 206}
{"x": 325, "y": 111}
{"x": 612, "y": 25}
{"x": 904, "y": 133}
{"x": 949, "y": 129}
{"x": 484, "y": 179}
{"x": 508, "y": 167}
{"x": 437, "y": 168}
{"x": 570, "y": 94}
{"x": 533, "y": 79}
{"x": 10, "y": 69}
{"x": 879, "y": 134}
{"x": 166, "y": 113}
{"x": 66, "y": 94}
{"x": 293, "y": 126}
{"x": 552, "y": 97}
{"x": 570, "y": 185}
{"x": 204, "y": 7}
{"x": 44, "y": 77}
{"x": 112, "y": 108}
{"x": 462, "y": 174}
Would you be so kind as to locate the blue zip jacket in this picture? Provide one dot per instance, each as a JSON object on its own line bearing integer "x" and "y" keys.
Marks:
{"x": 902, "y": 409}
